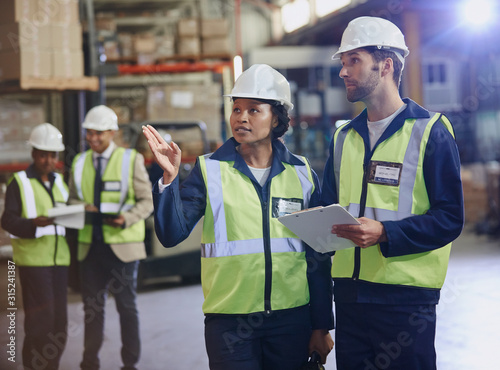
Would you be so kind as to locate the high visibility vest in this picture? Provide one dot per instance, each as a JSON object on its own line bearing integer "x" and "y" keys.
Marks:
{"x": 49, "y": 247}
{"x": 250, "y": 261}
{"x": 117, "y": 196}
{"x": 388, "y": 203}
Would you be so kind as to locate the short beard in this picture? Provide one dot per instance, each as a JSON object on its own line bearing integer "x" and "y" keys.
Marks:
{"x": 362, "y": 91}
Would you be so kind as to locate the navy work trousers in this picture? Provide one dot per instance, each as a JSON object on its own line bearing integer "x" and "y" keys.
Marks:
{"x": 44, "y": 291}
{"x": 258, "y": 341}
{"x": 102, "y": 272}
{"x": 378, "y": 336}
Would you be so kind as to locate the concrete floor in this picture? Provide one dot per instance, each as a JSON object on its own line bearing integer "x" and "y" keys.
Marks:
{"x": 172, "y": 321}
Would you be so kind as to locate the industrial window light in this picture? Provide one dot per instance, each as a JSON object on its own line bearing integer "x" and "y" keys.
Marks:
{"x": 478, "y": 13}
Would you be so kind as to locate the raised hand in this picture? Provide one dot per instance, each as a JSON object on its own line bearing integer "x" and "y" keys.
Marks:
{"x": 168, "y": 156}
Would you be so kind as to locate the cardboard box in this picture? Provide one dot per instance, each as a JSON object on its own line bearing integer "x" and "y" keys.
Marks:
{"x": 122, "y": 112}
{"x": 183, "y": 103}
{"x": 165, "y": 46}
{"x": 146, "y": 58}
{"x": 188, "y": 46}
{"x": 66, "y": 36}
{"x": 218, "y": 46}
{"x": 126, "y": 44}
{"x": 68, "y": 11}
{"x": 144, "y": 43}
{"x": 26, "y": 63}
{"x": 67, "y": 63}
{"x": 32, "y": 114}
{"x": 21, "y": 35}
{"x": 105, "y": 22}
{"x": 111, "y": 50}
{"x": 214, "y": 27}
{"x": 58, "y": 11}
{"x": 18, "y": 10}
{"x": 188, "y": 27}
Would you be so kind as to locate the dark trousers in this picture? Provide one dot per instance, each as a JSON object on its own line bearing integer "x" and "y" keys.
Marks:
{"x": 44, "y": 291}
{"x": 258, "y": 341}
{"x": 102, "y": 272}
{"x": 376, "y": 336}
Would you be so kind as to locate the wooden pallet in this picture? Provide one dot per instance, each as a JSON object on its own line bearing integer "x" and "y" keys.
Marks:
{"x": 58, "y": 84}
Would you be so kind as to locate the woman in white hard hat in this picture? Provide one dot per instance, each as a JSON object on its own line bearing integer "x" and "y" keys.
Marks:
{"x": 260, "y": 309}
{"x": 41, "y": 253}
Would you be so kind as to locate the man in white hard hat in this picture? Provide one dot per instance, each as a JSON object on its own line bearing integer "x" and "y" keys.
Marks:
{"x": 113, "y": 184}
{"x": 41, "y": 253}
{"x": 395, "y": 166}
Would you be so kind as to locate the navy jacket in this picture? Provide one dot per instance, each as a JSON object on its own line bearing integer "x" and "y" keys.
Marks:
{"x": 440, "y": 225}
{"x": 179, "y": 207}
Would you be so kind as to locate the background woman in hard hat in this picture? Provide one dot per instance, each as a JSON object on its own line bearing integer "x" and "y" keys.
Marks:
{"x": 396, "y": 167}
{"x": 41, "y": 253}
{"x": 259, "y": 305}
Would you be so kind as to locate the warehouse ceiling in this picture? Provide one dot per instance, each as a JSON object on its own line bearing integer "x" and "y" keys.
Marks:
{"x": 440, "y": 25}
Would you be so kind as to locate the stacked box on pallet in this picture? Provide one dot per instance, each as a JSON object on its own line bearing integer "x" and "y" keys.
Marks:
{"x": 215, "y": 38}
{"x": 188, "y": 38}
{"x": 40, "y": 39}
{"x": 187, "y": 103}
{"x": 66, "y": 37}
{"x": 24, "y": 41}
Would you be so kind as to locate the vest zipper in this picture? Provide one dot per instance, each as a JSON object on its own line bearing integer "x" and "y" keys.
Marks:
{"x": 362, "y": 206}
{"x": 267, "y": 248}
{"x": 51, "y": 194}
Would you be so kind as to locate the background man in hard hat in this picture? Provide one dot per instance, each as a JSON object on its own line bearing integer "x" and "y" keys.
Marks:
{"x": 396, "y": 167}
{"x": 113, "y": 184}
{"x": 41, "y": 253}
{"x": 264, "y": 308}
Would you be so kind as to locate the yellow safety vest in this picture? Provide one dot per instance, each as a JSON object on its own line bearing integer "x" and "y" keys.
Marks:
{"x": 388, "y": 203}
{"x": 49, "y": 247}
{"x": 118, "y": 194}
{"x": 250, "y": 261}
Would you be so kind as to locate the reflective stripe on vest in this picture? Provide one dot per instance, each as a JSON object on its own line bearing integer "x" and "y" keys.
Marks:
{"x": 233, "y": 248}
{"x": 106, "y": 207}
{"x": 388, "y": 203}
{"x": 117, "y": 195}
{"x": 214, "y": 190}
{"x": 29, "y": 205}
{"x": 49, "y": 246}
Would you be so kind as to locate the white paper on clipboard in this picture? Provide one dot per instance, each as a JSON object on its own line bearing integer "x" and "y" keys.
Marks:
{"x": 314, "y": 227}
{"x": 69, "y": 216}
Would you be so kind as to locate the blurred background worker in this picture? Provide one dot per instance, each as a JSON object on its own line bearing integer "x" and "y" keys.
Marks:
{"x": 264, "y": 309}
{"x": 41, "y": 253}
{"x": 396, "y": 167}
{"x": 113, "y": 184}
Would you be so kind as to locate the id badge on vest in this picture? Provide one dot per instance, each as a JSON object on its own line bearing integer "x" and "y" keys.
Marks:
{"x": 285, "y": 206}
{"x": 384, "y": 173}
{"x": 112, "y": 186}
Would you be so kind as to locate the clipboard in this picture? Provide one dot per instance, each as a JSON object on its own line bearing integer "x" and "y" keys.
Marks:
{"x": 92, "y": 218}
{"x": 72, "y": 216}
{"x": 314, "y": 227}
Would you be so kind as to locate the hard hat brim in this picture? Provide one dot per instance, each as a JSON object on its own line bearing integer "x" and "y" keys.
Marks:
{"x": 59, "y": 148}
{"x": 287, "y": 104}
{"x": 97, "y": 127}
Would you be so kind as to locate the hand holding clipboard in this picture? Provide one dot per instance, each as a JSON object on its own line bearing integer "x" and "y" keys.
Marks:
{"x": 314, "y": 227}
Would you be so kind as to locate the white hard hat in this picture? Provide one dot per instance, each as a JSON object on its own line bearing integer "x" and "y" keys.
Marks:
{"x": 101, "y": 118}
{"x": 261, "y": 81}
{"x": 46, "y": 137}
{"x": 373, "y": 31}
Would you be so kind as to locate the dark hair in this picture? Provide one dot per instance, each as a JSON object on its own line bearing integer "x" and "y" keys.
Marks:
{"x": 379, "y": 55}
{"x": 280, "y": 111}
